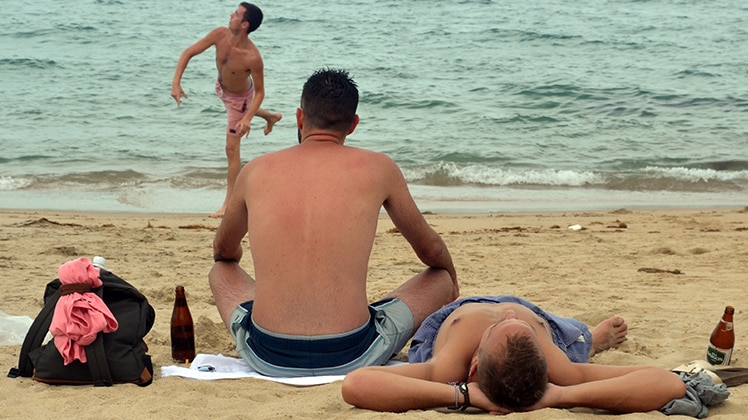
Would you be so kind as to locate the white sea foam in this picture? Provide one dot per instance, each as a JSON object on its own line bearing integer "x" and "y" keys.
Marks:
{"x": 449, "y": 173}
{"x": 10, "y": 183}
{"x": 697, "y": 174}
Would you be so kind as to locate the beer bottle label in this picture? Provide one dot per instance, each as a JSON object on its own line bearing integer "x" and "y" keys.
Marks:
{"x": 717, "y": 356}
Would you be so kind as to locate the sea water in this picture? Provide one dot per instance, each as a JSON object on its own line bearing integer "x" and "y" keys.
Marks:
{"x": 485, "y": 105}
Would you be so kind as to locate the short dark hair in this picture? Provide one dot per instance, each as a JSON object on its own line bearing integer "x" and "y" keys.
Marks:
{"x": 253, "y": 15}
{"x": 329, "y": 100}
{"x": 513, "y": 374}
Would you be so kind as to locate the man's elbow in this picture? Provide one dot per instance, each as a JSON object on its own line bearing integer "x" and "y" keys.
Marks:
{"x": 435, "y": 253}
{"x": 353, "y": 389}
{"x": 221, "y": 253}
{"x": 678, "y": 387}
{"x": 673, "y": 388}
{"x": 217, "y": 249}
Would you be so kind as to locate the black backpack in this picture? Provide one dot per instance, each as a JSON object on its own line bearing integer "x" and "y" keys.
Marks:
{"x": 116, "y": 357}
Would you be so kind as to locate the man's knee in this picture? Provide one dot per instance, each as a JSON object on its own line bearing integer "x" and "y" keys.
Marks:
{"x": 232, "y": 152}
{"x": 225, "y": 272}
{"x": 443, "y": 282}
{"x": 213, "y": 274}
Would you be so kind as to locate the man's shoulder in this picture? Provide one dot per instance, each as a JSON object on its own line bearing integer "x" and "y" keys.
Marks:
{"x": 282, "y": 155}
{"x": 266, "y": 157}
{"x": 218, "y": 33}
{"x": 378, "y": 157}
{"x": 350, "y": 153}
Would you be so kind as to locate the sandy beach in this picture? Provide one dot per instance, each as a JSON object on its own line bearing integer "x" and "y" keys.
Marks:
{"x": 669, "y": 272}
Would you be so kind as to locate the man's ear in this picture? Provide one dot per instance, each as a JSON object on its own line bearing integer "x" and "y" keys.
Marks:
{"x": 473, "y": 369}
{"x": 299, "y": 118}
{"x": 356, "y": 120}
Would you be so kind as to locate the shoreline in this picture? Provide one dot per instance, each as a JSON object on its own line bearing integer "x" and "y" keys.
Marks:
{"x": 693, "y": 261}
{"x": 463, "y": 199}
{"x": 453, "y": 208}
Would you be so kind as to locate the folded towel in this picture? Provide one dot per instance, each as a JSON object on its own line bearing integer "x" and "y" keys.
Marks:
{"x": 79, "y": 317}
{"x": 212, "y": 366}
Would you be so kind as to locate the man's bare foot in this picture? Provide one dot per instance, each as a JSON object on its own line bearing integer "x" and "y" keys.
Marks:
{"x": 274, "y": 118}
{"x": 608, "y": 334}
{"x": 218, "y": 214}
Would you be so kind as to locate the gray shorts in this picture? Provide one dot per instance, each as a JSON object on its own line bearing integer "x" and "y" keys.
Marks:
{"x": 389, "y": 328}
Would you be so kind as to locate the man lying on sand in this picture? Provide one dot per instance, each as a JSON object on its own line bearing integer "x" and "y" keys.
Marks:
{"x": 504, "y": 354}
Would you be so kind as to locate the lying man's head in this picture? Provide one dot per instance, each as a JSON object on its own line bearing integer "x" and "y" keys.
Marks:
{"x": 512, "y": 370}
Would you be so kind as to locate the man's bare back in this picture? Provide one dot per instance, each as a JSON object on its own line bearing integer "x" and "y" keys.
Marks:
{"x": 309, "y": 235}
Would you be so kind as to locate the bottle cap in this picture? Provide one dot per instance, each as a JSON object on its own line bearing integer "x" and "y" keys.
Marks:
{"x": 99, "y": 261}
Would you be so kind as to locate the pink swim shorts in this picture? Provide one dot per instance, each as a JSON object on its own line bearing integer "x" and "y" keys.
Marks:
{"x": 236, "y": 104}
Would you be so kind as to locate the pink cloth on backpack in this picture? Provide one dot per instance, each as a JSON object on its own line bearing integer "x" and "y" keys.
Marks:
{"x": 79, "y": 317}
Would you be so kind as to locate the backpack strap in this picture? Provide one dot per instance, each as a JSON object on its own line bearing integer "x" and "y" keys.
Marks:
{"x": 35, "y": 336}
{"x": 96, "y": 355}
{"x": 97, "y": 363}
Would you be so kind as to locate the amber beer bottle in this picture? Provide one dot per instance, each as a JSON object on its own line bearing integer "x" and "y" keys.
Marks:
{"x": 182, "y": 329}
{"x": 722, "y": 340}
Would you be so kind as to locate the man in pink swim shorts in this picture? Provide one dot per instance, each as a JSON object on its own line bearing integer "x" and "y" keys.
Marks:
{"x": 240, "y": 83}
{"x": 236, "y": 104}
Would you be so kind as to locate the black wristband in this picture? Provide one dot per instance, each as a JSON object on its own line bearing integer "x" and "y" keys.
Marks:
{"x": 463, "y": 387}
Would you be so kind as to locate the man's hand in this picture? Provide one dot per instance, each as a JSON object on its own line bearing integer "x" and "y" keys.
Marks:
{"x": 479, "y": 400}
{"x": 550, "y": 398}
{"x": 177, "y": 93}
{"x": 242, "y": 128}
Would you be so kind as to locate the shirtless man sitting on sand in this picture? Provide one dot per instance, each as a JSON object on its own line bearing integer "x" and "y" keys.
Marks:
{"x": 504, "y": 354}
{"x": 310, "y": 215}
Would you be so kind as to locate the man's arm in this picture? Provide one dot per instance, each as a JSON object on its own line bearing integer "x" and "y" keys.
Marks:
{"x": 395, "y": 388}
{"x": 562, "y": 371}
{"x": 405, "y": 387}
{"x": 617, "y": 388}
{"x": 645, "y": 389}
{"x": 227, "y": 244}
{"x": 197, "y": 48}
{"x": 427, "y": 244}
{"x": 258, "y": 83}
